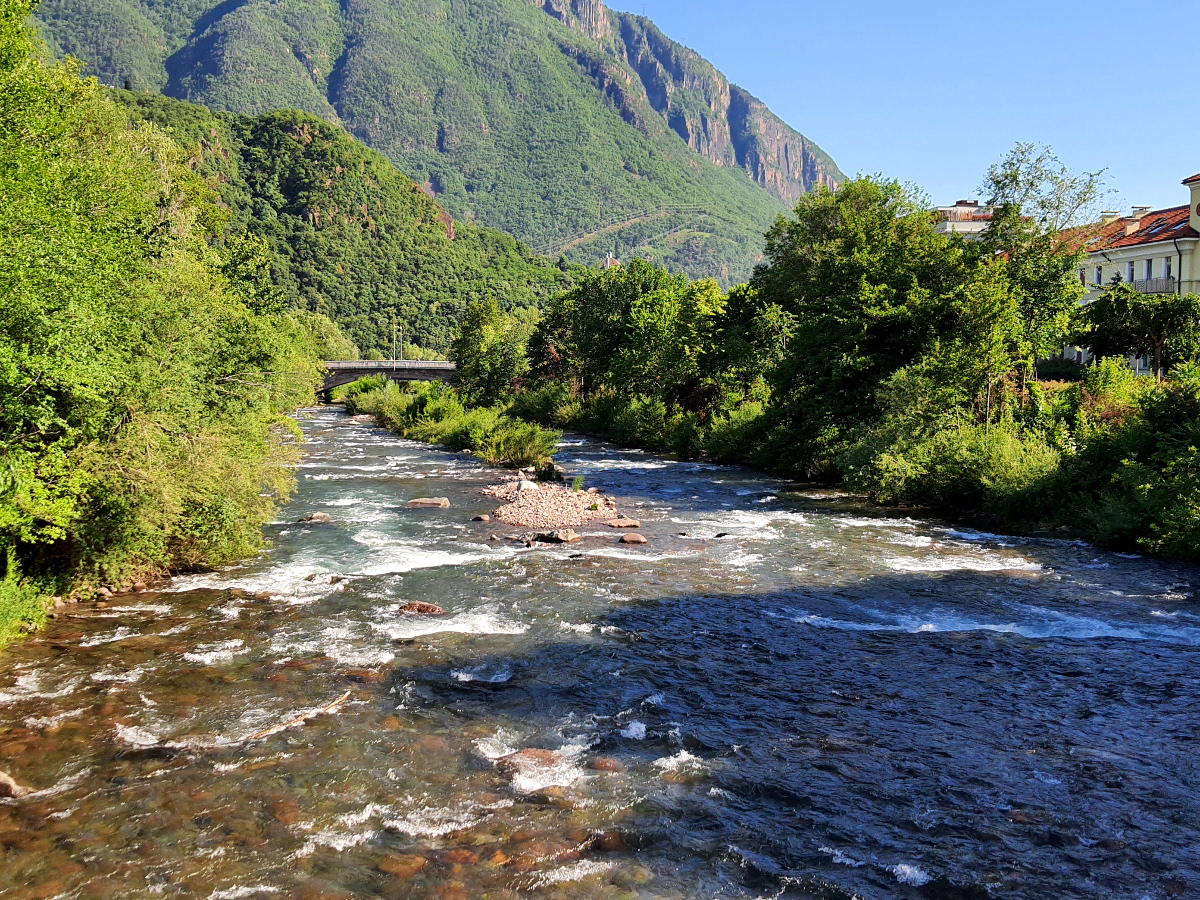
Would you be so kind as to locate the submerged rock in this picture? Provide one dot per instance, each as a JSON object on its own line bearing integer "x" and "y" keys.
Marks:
{"x": 317, "y": 518}
{"x": 606, "y": 764}
{"x": 402, "y": 866}
{"x": 10, "y": 788}
{"x": 421, "y": 608}
{"x": 533, "y": 757}
{"x": 429, "y": 503}
{"x": 633, "y": 539}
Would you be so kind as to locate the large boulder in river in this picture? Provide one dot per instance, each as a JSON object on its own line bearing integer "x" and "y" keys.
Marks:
{"x": 622, "y": 522}
{"x": 317, "y": 518}
{"x": 633, "y": 539}
{"x": 429, "y": 503}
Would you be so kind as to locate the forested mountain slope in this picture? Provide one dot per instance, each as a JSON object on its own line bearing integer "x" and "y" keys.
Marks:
{"x": 350, "y": 235}
{"x": 571, "y": 126}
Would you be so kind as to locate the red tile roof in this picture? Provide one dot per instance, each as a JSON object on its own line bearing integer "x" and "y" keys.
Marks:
{"x": 1195, "y": 177}
{"x": 1155, "y": 226}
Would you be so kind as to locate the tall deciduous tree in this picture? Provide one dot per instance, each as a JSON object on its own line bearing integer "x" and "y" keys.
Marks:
{"x": 869, "y": 285}
{"x": 488, "y": 352}
{"x": 1033, "y": 198}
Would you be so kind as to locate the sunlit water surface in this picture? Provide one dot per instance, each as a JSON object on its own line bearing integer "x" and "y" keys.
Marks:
{"x": 779, "y": 695}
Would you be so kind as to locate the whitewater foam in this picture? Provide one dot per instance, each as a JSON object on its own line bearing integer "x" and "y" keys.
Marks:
{"x": 484, "y": 621}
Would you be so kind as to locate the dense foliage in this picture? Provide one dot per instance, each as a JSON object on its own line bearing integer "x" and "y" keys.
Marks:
{"x": 146, "y": 365}
{"x": 872, "y": 351}
{"x": 350, "y": 236}
{"x": 434, "y": 412}
{"x": 516, "y": 120}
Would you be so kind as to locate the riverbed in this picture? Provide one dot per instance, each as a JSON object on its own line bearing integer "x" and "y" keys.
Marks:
{"x": 782, "y": 694}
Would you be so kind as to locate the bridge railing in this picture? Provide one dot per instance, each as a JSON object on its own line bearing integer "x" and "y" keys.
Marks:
{"x": 389, "y": 365}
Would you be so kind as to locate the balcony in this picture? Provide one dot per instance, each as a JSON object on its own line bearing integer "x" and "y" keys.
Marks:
{"x": 1156, "y": 286}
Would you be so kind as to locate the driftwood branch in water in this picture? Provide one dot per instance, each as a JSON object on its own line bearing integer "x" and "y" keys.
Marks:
{"x": 299, "y": 720}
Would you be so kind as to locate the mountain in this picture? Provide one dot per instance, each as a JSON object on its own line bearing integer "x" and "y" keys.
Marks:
{"x": 574, "y": 127}
{"x": 350, "y": 236}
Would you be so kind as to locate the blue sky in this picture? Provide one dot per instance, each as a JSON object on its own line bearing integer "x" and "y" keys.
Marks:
{"x": 933, "y": 92}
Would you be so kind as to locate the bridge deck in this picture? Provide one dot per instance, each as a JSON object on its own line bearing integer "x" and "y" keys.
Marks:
{"x": 339, "y": 372}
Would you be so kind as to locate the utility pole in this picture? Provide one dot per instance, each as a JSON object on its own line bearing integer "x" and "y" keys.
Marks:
{"x": 401, "y": 340}
{"x": 393, "y": 340}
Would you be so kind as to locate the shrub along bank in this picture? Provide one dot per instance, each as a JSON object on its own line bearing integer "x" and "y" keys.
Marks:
{"x": 146, "y": 361}
{"x": 434, "y": 412}
{"x": 871, "y": 351}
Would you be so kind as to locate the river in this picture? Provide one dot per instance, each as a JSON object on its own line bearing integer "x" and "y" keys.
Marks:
{"x": 782, "y": 695}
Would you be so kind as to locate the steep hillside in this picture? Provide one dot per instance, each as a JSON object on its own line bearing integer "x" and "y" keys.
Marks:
{"x": 718, "y": 120}
{"x": 350, "y": 235}
{"x": 576, "y": 128}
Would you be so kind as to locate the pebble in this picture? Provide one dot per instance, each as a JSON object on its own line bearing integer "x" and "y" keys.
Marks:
{"x": 532, "y": 757}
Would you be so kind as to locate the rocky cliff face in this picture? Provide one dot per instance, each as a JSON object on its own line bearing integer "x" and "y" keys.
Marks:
{"x": 718, "y": 120}
{"x": 587, "y": 16}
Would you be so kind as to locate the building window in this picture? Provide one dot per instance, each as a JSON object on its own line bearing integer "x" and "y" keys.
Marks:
{"x": 1099, "y": 275}
{"x": 1166, "y": 267}
{"x": 1149, "y": 269}
{"x": 1129, "y": 271}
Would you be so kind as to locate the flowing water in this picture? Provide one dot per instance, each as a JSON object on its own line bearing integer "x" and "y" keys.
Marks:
{"x": 780, "y": 695}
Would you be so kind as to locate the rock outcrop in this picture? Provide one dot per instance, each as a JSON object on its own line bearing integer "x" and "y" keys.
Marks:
{"x": 720, "y": 121}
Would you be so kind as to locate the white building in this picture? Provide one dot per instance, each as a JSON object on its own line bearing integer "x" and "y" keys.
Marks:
{"x": 1153, "y": 249}
{"x": 966, "y": 217}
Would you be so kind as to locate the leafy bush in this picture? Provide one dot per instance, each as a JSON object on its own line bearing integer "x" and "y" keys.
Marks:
{"x": 733, "y": 437}
{"x": 433, "y": 412}
{"x": 550, "y": 404}
{"x": 966, "y": 466}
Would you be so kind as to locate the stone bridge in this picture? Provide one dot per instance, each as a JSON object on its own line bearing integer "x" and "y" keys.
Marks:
{"x": 342, "y": 372}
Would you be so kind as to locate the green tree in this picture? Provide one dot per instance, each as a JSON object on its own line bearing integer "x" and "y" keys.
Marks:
{"x": 143, "y": 391}
{"x": 634, "y": 329}
{"x": 1122, "y": 321}
{"x": 870, "y": 285}
{"x": 488, "y": 352}
{"x": 1034, "y": 197}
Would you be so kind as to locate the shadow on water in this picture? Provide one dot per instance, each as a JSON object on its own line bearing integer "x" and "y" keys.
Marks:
{"x": 822, "y": 758}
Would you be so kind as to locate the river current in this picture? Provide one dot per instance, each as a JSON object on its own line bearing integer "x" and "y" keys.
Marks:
{"x": 783, "y": 694}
